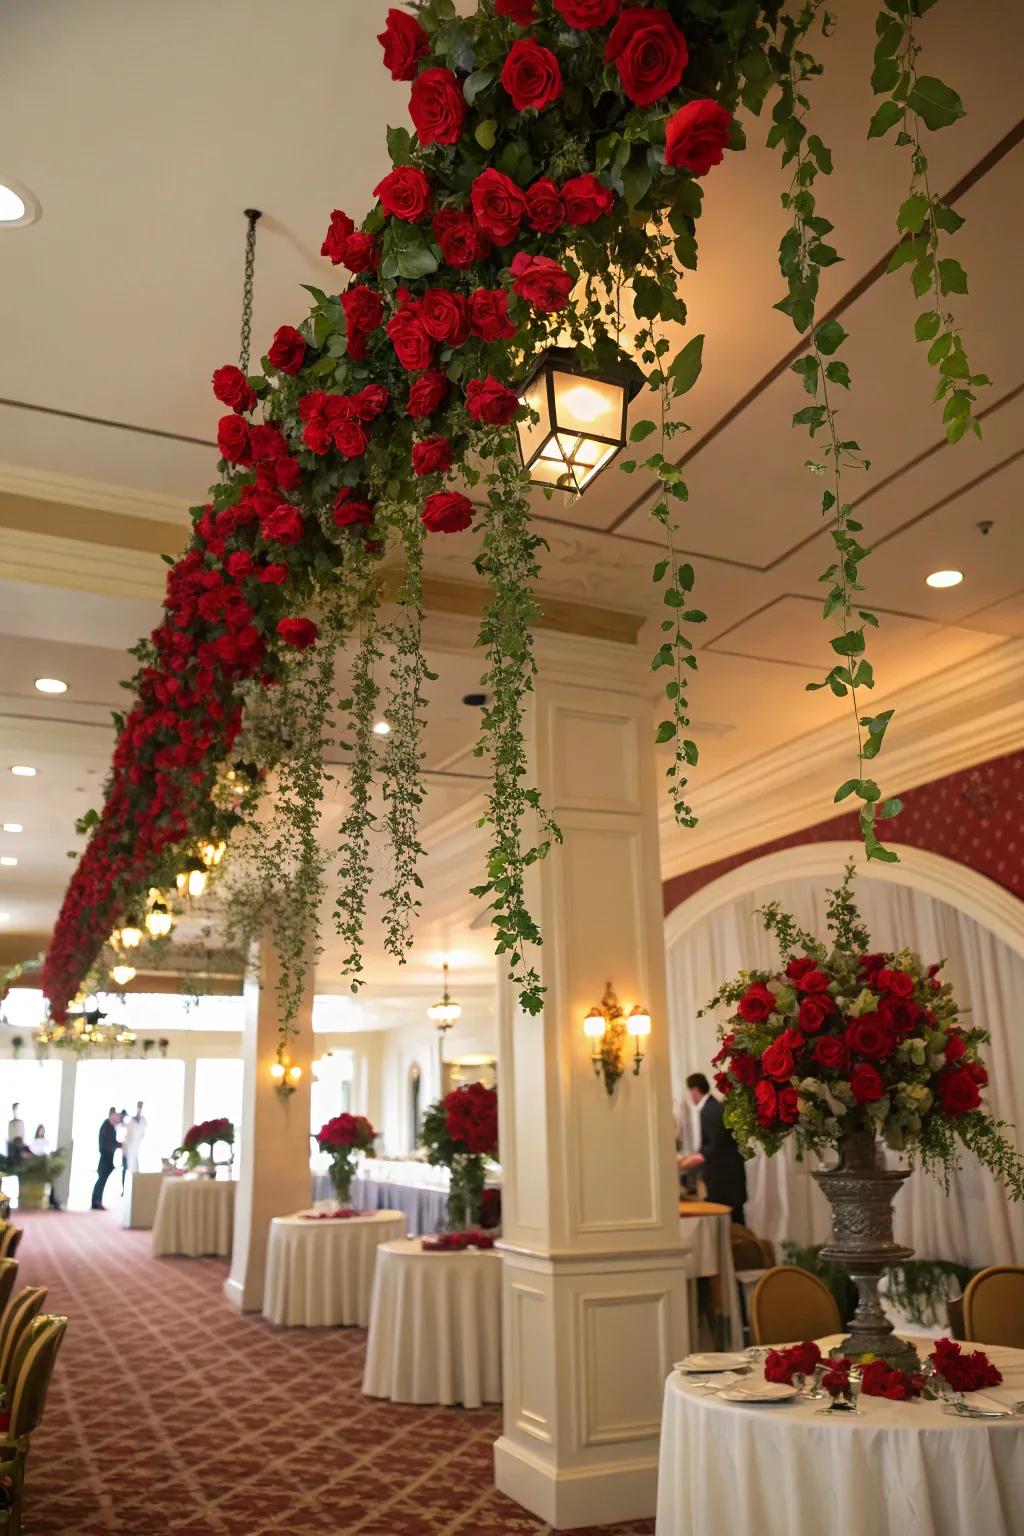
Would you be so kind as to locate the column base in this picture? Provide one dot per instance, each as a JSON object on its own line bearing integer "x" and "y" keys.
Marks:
{"x": 234, "y": 1294}
{"x": 580, "y": 1496}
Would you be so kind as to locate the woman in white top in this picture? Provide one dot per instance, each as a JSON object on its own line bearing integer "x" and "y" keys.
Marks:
{"x": 39, "y": 1146}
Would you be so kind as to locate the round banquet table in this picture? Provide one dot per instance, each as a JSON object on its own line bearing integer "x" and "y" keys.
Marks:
{"x": 781, "y": 1469}
{"x": 706, "y": 1232}
{"x": 194, "y": 1217}
{"x": 320, "y": 1272}
{"x": 435, "y": 1326}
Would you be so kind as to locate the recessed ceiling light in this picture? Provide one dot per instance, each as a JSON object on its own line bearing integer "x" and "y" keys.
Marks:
{"x": 8, "y": 861}
{"x": 51, "y": 685}
{"x": 945, "y": 578}
{"x": 23, "y": 771}
{"x": 381, "y": 728}
{"x": 17, "y": 205}
{"x": 13, "y": 826}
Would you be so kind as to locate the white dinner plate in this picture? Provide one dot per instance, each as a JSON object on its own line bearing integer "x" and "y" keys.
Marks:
{"x": 760, "y": 1392}
{"x": 713, "y": 1362}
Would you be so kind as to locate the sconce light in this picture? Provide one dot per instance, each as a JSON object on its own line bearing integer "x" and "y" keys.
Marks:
{"x": 582, "y": 418}
{"x": 606, "y": 1027}
{"x": 286, "y": 1074}
{"x": 445, "y": 1013}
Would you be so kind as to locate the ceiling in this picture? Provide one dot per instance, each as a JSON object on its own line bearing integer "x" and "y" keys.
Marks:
{"x": 144, "y": 131}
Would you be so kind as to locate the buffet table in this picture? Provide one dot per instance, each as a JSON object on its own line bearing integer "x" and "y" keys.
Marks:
{"x": 141, "y": 1194}
{"x": 320, "y": 1268}
{"x": 706, "y": 1232}
{"x": 783, "y": 1469}
{"x": 194, "y": 1217}
{"x": 415, "y": 1188}
{"x": 435, "y": 1326}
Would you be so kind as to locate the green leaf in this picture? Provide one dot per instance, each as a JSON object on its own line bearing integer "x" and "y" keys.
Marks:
{"x": 885, "y": 75}
{"x": 686, "y": 367}
{"x": 850, "y": 644}
{"x": 922, "y": 276}
{"x": 913, "y": 213}
{"x": 485, "y": 133}
{"x": 952, "y": 277}
{"x": 935, "y": 104}
{"x": 821, "y": 153}
{"x": 416, "y": 261}
{"x": 829, "y": 336}
{"x": 666, "y": 731}
{"x": 887, "y": 116}
{"x": 478, "y": 81}
{"x": 927, "y": 325}
{"x": 641, "y": 429}
{"x": 845, "y": 789}
{"x": 838, "y": 373}
{"x": 637, "y": 177}
{"x": 400, "y": 146}
{"x": 945, "y": 219}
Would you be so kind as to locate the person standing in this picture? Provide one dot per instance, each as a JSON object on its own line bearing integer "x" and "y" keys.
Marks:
{"x": 134, "y": 1130}
{"x": 720, "y": 1162}
{"x": 15, "y": 1132}
{"x": 108, "y": 1149}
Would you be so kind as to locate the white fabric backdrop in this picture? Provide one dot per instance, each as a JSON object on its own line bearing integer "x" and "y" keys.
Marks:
{"x": 973, "y": 1225}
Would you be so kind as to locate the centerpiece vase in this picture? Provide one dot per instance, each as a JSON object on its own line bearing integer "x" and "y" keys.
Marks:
{"x": 465, "y": 1192}
{"x": 342, "y": 1173}
{"x": 860, "y": 1190}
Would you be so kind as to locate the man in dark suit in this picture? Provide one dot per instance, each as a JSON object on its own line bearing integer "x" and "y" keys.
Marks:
{"x": 105, "y": 1167}
{"x": 720, "y": 1163}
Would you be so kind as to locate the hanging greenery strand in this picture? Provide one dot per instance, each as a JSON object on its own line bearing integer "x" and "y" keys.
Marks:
{"x": 355, "y": 866}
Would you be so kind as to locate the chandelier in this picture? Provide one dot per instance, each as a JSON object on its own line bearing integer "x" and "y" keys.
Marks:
{"x": 85, "y": 1031}
{"x": 445, "y": 1013}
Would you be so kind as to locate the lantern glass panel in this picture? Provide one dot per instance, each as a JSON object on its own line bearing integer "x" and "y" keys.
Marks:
{"x": 589, "y": 407}
{"x": 533, "y": 435}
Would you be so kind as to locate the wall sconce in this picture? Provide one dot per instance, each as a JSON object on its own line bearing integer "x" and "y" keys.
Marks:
{"x": 286, "y": 1074}
{"x": 607, "y": 1028}
{"x": 582, "y": 418}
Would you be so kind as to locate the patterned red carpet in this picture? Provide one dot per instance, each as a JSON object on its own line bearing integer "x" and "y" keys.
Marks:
{"x": 170, "y": 1413}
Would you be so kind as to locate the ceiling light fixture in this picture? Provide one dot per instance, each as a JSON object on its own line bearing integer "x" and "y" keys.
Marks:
{"x": 580, "y": 418}
{"x": 23, "y": 771}
{"x": 944, "y": 578}
{"x": 13, "y": 826}
{"x": 445, "y": 1013}
{"x": 381, "y": 728}
{"x": 51, "y": 685}
{"x": 8, "y": 861}
{"x": 18, "y": 206}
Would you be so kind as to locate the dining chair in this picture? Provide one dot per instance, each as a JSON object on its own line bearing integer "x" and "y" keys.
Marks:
{"x": 31, "y": 1374}
{"x": 994, "y": 1306}
{"x": 8, "y": 1275}
{"x": 955, "y": 1313}
{"x": 789, "y": 1305}
{"x": 14, "y": 1322}
{"x": 9, "y": 1241}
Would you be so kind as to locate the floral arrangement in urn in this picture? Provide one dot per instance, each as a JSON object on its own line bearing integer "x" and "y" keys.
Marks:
{"x": 343, "y": 1138}
{"x": 460, "y": 1132}
{"x": 207, "y": 1133}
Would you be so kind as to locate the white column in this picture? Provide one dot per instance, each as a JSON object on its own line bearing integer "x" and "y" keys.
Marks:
{"x": 65, "y": 1122}
{"x": 594, "y": 1278}
{"x": 273, "y": 1159}
{"x": 188, "y": 1095}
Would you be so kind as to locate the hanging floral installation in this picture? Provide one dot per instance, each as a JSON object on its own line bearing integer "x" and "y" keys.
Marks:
{"x": 549, "y": 197}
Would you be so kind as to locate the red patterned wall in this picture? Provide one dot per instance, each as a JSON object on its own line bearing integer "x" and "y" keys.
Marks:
{"x": 975, "y": 817}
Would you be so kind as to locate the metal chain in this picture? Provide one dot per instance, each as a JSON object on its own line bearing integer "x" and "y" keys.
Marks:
{"x": 252, "y": 214}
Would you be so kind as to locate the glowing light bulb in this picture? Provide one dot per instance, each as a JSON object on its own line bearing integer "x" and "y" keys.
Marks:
{"x": 123, "y": 974}
{"x": 594, "y": 1024}
{"x": 585, "y": 403}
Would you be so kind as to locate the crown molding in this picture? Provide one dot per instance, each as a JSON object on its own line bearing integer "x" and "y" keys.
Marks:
{"x": 46, "y": 560}
{"x": 44, "y": 485}
{"x": 941, "y": 727}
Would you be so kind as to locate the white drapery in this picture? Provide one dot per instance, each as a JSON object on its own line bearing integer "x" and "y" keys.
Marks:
{"x": 974, "y": 1224}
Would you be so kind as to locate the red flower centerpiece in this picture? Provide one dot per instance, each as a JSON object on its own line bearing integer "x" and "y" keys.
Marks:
{"x": 460, "y": 1133}
{"x": 207, "y": 1133}
{"x": 343, "y": 1138}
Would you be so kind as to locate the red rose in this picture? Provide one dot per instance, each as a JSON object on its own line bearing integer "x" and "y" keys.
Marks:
{"x": 233, "y": 440}
{"x": 799, "y": 966}
{"x": 871, "y": 963}
{"x": 586, "y": 199}
{"x": 766, "y": 1101}
{"x": 433, "y": 454}
{"x": 519, "y": 11}
{"x": 813, "y": 1013}
{"x": 743, "y": 1067}
{"x": 437, "y": 107}
{"x": 413, "y": 347}
{"x": 491, "y": 402}
{"x": 239, "y": 564}
{"x": 584, "y": 14}
{"x": 471, "y": 1118}
{"x": 866, "y": 1083}
{"x": 499, "y": 206}
{"x": 273, "y": 575}
{"x": 541, "y": 282}
{"x": 778, "y": 1062}
{"x": 287, "y": 351}
{"x": 488, "y": 315}
{"x": 723, "y": 1082}
{"x": 830, "y": 1051}
{"x": 788, "y": 1105}
{"x": 649, "y": 52}
{"x": 813, "y": 981}
{"x": 404, "y": 42}
{"x": 267, "y": 443}
{"x": 870, "y": 1036}
{"x": 283, "y": 525}
{"x": 349, "y": 437}
{"x": 696, "y": 136}
{"x": 447, "y": 512}
{"x": 531, "y": 76}
{"x": 348, "y": 513}
{"x": 958, "y": 1092}
{"x": 362, "y": 253}
{"x": 287, "y": 473}
{"x": 900, "y": 1014}
{"x": 369, "y": 402}
{"x": 544, "y": 206}
{"x": 955, "y": 1047}
{"x": 299, "y": 633}
{"x": 232, "y": 388}
{"x": 896, "y": 982}
{"x": 462, "y": 244}
{"x": 336, "y": 238}
{"x": 444, "y": 316}
{"x": 405, "y": 193}
{"x": 756, "y": 1003}
{"x": 428, "y": 392}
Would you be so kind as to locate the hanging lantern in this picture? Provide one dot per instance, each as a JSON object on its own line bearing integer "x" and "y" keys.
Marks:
{"x": 122, "y": 974}
{"x": 158, "y": 919}
{"x": 582, "y": 418}
{"x": 445, "y": 1013}
{"x": 212, "y": 853}
{"x": 191, "y": 881}
{"x": 127, "y": 937}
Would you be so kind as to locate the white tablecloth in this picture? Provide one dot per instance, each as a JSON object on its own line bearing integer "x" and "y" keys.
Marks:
{"x": 415, "y": 1188}
{"x": 194, "y": 1217}
{"x": 141, "y": 1193}
{"x": 902, "y": 1469}
{"x": 707, "y": 1242}
{"x": 320, "y": 1273}
{"x": 435, "y": 1326}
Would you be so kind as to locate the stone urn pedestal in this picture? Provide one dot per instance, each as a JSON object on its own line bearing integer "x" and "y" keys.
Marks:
{"x": 860, "y": 1190}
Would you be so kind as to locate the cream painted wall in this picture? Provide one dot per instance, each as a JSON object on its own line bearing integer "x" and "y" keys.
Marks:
{"x": 416, "y": 1043}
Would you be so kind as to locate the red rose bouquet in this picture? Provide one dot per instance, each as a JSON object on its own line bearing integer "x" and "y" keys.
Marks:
{"x": 964, "y": 1373}
{"x": 343, "y": 1138}
{"x": 457, "y": 1242}
{"x": 460, "y": 1132}
{"x": 843, "y": 1040}
{"x": 796, "y": 1360}
{"x": 206, "y": 1133}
